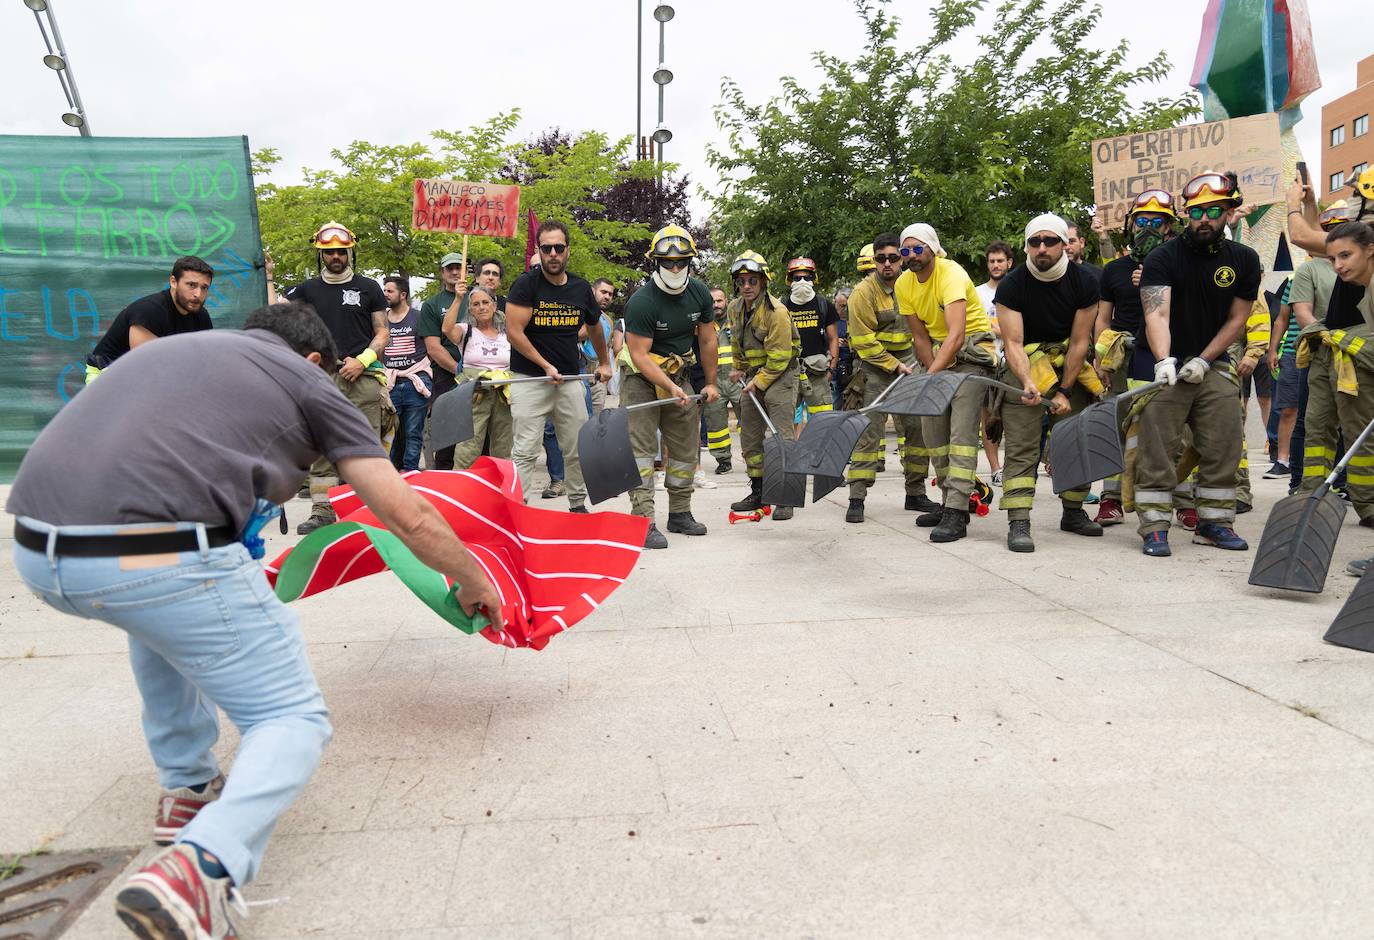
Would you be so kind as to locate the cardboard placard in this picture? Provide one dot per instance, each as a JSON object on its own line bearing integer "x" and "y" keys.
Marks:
{"x": 466, "y": 208}
{"x": 1124, "y": 167}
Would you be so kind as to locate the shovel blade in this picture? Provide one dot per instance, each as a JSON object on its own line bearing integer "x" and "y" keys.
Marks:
{"x": 1087, "y": 447}
{"x": 608, "y": 460}
{"x": 822, "y": 486}
{"x": 451, "y": 420}
{"x": 827, "y": 442}
{"x": 1299, "y": 539}
{"x": 923, "y": 395}
{"x": 1353, "y": 627}
{"x": 781, "y": 487}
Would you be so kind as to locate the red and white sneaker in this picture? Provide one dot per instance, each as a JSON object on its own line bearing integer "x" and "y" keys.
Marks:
{"x": 1109, "y": 512}
{"x": 171, "y": 898}
{"x": 1187, "y": 518}
{"x": 176, "y": 808}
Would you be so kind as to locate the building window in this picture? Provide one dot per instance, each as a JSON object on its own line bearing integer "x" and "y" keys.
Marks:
{"x": 1337, "y": 136}
{"x": 1358, "y": 169}
{"x": 1337, "y": 180}
{"x": 1362, "y": 125}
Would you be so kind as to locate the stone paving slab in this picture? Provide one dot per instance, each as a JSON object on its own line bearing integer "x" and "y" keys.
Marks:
{"x": 801, "y": 729}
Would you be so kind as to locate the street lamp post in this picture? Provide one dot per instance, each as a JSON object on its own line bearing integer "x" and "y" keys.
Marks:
{"x": 662, "y": 76}
{"x": 59, "y": 62}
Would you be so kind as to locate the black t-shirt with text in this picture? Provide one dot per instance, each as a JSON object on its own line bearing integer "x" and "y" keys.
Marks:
{"x": 811, "y": 319}
{"x": 1202, "y": 287}
{"x": 157, "y": 314}
{"x": 1343, "y": 309}
{"x": 557, "y": 312}
{"x": 345, "y": 308}
{"x": 1047, "y": 308}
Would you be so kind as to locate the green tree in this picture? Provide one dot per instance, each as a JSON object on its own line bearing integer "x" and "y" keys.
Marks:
{"x": 895, "y": 136}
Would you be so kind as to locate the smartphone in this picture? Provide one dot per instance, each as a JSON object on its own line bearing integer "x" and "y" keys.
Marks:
{"x": 1302, "y": 173}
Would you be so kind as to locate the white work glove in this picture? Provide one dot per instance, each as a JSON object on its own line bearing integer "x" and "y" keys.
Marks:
{"x": 1194, "y": 369}
{"x": 1166, "y": 370}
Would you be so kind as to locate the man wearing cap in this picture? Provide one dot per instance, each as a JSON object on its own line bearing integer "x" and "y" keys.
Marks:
{"x": 1046, "y": 309}
{"x": 444, "y": 356}
{"x": 950, "y": 332}
{"x": 816, "y": 321}
{"x": 354, "y": 309}
{"x": 1196, "y": 290}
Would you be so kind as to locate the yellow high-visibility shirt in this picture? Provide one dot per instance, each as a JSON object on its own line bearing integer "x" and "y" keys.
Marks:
{"x": 947, "y": 283}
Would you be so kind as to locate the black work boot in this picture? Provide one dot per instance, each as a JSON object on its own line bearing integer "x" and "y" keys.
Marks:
{"x": 723, "y": 465}
{"x": 754, "y": 501}
{"x": 855, "y": 512}
{"x": 1019, "y": 537}
{"x": 928, "y": 520}
{"x": 1077, "y": 522}
{"x": 782, "y": 513}
{"x": 654, "y": 538}
{"x": 953, "y": 526}
{"x": 684, "y": 524}
{"x": 319, "y": 518}
{"x": 921, "y": 503}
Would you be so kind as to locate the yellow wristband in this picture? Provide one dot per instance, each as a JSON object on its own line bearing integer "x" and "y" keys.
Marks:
{"x": 367, "y": 356}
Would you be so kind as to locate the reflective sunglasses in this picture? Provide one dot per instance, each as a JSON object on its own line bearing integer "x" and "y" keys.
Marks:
{"x": 1212, "y": 212}
{"x": 1149, "y": 223}
{"x": 887, "y": 259}
{"x": 1221, "y": 185}
{"x": 552, "y": 249}
{"x": 915, "y": 250}
{"x": 1049, "y": 241}
{"x": 747, "y": 278}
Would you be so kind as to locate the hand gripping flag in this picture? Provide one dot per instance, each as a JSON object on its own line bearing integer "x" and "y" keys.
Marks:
{"x": 550, "y": 568}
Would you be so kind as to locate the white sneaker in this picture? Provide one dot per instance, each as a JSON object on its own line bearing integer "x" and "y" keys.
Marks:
{"x": 997, "y": 478}
{"x": 700, "y": 482}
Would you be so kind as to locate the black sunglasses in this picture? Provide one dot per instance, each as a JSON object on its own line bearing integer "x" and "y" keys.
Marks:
{"x": 887, "y": 259}
{"x": 672, "y": 264}
{"x": 552, "y": 249}
{"x": 1049, "y": 241}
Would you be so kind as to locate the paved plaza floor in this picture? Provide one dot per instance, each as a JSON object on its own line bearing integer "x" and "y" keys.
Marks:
{"x": 783, "y": 729}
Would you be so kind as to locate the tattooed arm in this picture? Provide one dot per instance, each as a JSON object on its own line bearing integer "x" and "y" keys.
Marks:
{"x": 1155, "y": 300}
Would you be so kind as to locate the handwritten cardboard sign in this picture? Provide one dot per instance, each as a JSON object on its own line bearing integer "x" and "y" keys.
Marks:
{"x": 466, "y": 208}
{"x": 1124, "y": 167}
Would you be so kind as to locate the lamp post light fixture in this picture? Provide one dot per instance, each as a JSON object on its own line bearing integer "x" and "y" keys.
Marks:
{"x": 58, "y": 60}
{"x": 663, "y": 12}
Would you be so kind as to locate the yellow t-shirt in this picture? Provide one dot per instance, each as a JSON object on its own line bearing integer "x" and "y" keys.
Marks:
{"x": 947, "y": 283}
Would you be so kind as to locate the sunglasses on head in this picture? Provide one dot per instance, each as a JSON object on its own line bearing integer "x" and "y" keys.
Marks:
{"x": 914, "y": 250}
{"x": 1149, "y": 223}
{"x": 887, "y": 259}
{"x": 1212, "y": 212}
{"x": 552, "y": 249}
{"x": 672, "y": 264}
{"x": 1049, "y": 241}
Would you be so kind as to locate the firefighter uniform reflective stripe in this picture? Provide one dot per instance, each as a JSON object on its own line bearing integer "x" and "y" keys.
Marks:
{"x": 765, "y": 338}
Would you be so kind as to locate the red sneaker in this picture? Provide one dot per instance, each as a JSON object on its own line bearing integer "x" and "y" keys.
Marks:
{"x": 1109, "y": 512}
{"x": 1187, "y": 518}
{"x": 171, "y": 898}
{"x": 176, "y": 808}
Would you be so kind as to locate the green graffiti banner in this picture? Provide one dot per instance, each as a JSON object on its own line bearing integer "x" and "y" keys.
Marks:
{"x": 90, "y": 224}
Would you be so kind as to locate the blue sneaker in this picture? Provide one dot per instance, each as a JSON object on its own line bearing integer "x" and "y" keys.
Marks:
{"x": 1156, "y": 545}
{"x": 1220, "y": 536}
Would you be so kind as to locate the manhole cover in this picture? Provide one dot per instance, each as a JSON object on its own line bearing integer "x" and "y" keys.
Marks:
{"x": 43, "y": 894}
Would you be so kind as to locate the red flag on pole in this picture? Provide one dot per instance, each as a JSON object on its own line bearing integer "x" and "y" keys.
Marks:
{"x": 550, "y": 568}
{"x": 531, "y": 236}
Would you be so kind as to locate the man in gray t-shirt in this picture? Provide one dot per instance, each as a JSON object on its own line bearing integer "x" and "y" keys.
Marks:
{"x": 131, "y": 504}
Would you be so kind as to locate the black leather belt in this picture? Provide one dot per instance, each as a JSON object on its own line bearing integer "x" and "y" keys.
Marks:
{"x": 112, "y": 546}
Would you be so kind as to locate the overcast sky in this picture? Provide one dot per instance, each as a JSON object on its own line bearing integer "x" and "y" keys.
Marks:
{"x": 307, "y": 77}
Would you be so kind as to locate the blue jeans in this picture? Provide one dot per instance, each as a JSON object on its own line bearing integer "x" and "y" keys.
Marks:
{"x": 411, "y": 409}
{"x": 203, "y": 631}
{"x": 552, "y": 453}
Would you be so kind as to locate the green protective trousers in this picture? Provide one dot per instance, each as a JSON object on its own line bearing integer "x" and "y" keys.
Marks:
{"x": 780, "y": 401}
{"x": 490, "y": 415}
{"x": 814, "y": 390}
{"x": 1330, "y": 412}
{"x": 367, "y": 394}
{"x": 1184, "y": 492}
{"x": 680, "y": 428}
{"x": 1021, "y": 425}
{"x": 953, "y": 440}
{"x": 718, "y": 416}
{"x": 867, "y": 459}
{"x": 1119, "y": 382}
{"x": 1210, "y": 410}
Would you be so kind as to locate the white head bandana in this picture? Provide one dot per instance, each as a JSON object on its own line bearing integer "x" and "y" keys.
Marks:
{"x": 925, "y": 233}
{"x": 1049, "y": 222}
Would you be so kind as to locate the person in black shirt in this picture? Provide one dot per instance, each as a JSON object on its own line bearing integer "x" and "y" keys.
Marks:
{"x": 545, "y": 309}
{"x": 1074, "y": 248}
{"x": 1197, "y": 291}
{"x": 816, "y": 320}
{"x": 1046, "y": 309}
{"x": 178, "y": 309}
{"x": 354, "y": 309}
{"x": 1123, "y": 355}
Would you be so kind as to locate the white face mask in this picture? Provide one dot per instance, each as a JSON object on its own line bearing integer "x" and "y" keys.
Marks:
{"x": 802, "y": 292}
{"x": 671, "y": 282}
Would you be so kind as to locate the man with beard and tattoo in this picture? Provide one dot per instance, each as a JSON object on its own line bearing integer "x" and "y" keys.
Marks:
{"x": 1046, "y": 308}
{"x": 1197, "y": 291}
{"x": 1122, "y": 354}
{"x": 354, "y": 309}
